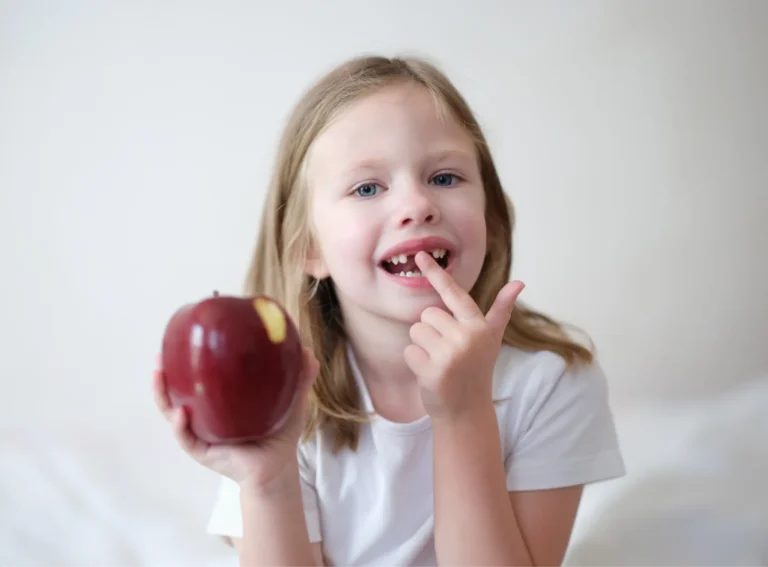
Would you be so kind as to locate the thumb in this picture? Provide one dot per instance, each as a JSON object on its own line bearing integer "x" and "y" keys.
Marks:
{"x": 499, "y": 313}
{"x": 310, "y": 368}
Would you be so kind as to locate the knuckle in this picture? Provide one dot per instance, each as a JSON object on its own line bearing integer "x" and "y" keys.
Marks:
{"x": 485, "y": 331}
{"x": 429, "y": 313}
{"x": 463, "y": 344}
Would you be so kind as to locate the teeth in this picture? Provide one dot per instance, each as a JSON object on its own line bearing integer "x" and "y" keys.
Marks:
{"x": 414, "y": 274}
{"x": 403, "y": 258}
{"x": 439, "y": 253}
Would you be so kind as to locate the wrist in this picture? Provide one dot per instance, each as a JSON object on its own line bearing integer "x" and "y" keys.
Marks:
{"x": 283, "y": 483}
{"x": 478, "y": 415}
{"x": 274, "y": 530}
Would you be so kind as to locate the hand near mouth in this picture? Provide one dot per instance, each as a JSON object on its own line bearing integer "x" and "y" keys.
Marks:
{"x": 453, "y": 354}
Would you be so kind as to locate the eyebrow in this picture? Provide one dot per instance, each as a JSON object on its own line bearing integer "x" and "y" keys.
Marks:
{"x": 451, "y": 154}
{"x": 364, "y": 165}
{"x": 435, "y": 157}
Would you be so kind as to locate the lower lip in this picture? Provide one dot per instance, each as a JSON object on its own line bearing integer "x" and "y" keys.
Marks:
{"x": 416, "y": 282}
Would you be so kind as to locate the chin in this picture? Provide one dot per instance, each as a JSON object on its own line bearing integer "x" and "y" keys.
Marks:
{"x": 412, "y": 313}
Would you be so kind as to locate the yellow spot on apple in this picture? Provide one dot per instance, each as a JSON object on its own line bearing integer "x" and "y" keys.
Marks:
{"x": 272, "y": 317}
{"x": 198, "y": 388}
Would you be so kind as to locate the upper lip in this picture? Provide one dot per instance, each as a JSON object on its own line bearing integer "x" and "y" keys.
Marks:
{"x": 411, "y": 247}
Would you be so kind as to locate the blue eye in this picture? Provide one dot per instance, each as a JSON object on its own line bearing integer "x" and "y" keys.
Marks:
{"x": 444, "y": 179}
{"x": 367, "y": 190}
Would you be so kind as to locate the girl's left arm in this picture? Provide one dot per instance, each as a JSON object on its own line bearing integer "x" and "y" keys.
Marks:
{"x": 477, "y": 522}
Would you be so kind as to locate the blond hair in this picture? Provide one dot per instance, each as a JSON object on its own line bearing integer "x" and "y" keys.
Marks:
{"x": 278, "y": 265}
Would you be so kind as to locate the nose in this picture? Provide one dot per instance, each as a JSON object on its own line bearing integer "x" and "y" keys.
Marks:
{"x": 416, "y": 206}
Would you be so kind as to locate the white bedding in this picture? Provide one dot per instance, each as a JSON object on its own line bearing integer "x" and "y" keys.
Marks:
{"x": 97, "y": 498}
{"x": 696, "y": 492}
{"x": 695, "y": 495}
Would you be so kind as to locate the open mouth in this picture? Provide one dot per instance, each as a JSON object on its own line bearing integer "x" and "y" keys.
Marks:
{"x": 405, "y": 264}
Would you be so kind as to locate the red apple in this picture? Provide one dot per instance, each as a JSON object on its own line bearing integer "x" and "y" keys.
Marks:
{"x": 234, "y": 363}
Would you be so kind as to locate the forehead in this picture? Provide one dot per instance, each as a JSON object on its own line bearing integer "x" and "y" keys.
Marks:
{"x": 400, "y": 122}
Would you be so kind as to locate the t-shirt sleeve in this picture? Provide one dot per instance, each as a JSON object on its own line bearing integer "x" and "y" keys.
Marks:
{"x": 307, "y": 479}
{"x": 226, "y": 517}
{"x": 564, "y": 433}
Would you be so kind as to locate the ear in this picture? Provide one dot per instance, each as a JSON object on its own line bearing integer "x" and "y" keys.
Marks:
{"x": 314, "y": 265}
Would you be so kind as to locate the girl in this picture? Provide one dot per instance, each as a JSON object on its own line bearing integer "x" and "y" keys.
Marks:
{"x": 442, "y": 423}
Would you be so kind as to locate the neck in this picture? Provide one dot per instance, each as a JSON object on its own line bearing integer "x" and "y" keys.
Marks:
{"x": 378, "y": 345}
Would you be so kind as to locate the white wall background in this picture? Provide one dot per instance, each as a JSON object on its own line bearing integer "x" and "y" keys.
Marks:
{"x": 136, "y": 139}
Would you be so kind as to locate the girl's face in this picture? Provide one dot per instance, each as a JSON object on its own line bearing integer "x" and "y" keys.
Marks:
{"x": 388, "y": 178}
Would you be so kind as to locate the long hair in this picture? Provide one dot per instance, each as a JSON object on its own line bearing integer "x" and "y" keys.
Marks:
{"x": 285, "y": 239}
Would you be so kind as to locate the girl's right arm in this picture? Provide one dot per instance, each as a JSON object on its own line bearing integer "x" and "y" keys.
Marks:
{"x": 274, "y": 529}
{"x": 317, "y": 551}
{"x": 273, "y": 521}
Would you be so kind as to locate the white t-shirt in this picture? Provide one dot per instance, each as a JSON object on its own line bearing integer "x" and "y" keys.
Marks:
{"x": 375, "y": 506}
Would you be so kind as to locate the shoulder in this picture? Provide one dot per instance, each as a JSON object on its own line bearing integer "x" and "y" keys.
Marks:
{"x": 556, "y": 421}
{"x": 533, "y": 375}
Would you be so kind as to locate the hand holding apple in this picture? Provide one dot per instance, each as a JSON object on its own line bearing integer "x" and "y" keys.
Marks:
{"x": 256, "y": 442}
{"x": 235, "y": 364}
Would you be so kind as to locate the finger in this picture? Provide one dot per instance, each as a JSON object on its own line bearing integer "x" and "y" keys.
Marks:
{"x": 455, "y": 298}
{"x": 426, "y": 337}
{"x": 310, "y": 369}
{"x": 417, "y": 360}
{"x": 188, "y": 440}
{"x": 499, "y": 313}
{"x": 442, "y": 322}
{"x": 309, "y": 372}
{"x": 160, "y": 393}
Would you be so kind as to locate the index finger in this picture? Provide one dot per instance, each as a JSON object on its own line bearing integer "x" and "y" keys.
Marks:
{"x": 455, "y": 298}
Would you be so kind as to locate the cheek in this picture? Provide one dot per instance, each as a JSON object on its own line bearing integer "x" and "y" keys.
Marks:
{"x": 477, "y": 240}
{"x": 344, "y": 238}
{"x": 469, "y": 217}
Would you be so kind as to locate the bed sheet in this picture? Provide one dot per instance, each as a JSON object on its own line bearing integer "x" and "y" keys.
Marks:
{"x": 695, "y": 494}
{"x": 90, "y": 497}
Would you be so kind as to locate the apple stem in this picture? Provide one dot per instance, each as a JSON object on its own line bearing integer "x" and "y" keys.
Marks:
{"x": 215, "y": 293}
